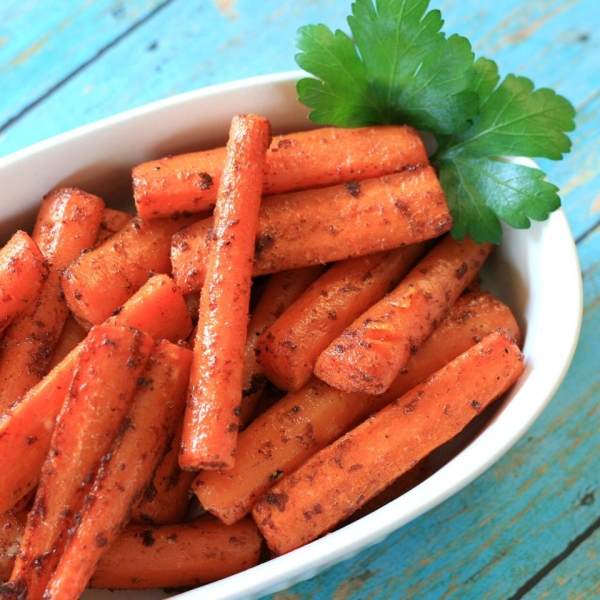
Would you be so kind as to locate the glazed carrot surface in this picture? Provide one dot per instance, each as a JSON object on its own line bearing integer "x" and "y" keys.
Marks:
{"x": 23, "y": 272}
{"x": 370, "y": 352}
{"x": 189, "y": 554}
{"x": 25, "y": 432}
{"x": 329, "y": 224}
{"x": 280, "y": 292}
{"x": 334, "y": 483}
{"x": 212, "y": 416}
{"x": 309, "y": 159}
{"x": 303, "y": 422}
{"x": 150, "y": 424}
{"x": 104, "y": 382}
{"x": 67, "y": 223}
{"x": 120, "y": 264}
{"x": 166, "y": 499}
{"x": 289, "y": 349}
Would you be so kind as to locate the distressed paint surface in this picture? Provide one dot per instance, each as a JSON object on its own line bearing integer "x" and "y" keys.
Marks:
{"x": 528, "y": 527}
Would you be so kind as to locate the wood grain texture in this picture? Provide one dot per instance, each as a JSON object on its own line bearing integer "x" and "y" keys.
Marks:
{"x": 528, "y": 527}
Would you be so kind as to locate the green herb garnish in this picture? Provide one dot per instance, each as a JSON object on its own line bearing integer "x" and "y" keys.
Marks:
{"x": 400, "y": 68}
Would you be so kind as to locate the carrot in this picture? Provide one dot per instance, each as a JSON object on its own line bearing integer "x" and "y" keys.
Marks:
{"x": 185, "y": 555}
{"x": 94, "y": 409}
{"x": 474, "y": 316}
{"x": 71, "y": 336}
{"x": 26, "y": 430}
{"x": 305, "y": 421}
{"x": 121, "y": 264}
{"x": 113, "y": 221}
{"x": 127, "y": 470}
{"x": 289, "y": 349}
{"x": 328, "y": 224}
{"x": 281, "y": 291}
{"x": 158, "y": 308}
{"x": 277, "y": 442}
{"x": 342, "y": 477}
{"x": 11, "y": 532}
{"x": 212, "y": 416}
{"x": 189, "y": 182}
{"x": 67, "y": 223}
{"x": 166, "y": 499}
{"x": 23, "y": 272}
{"x": 371, "y": 351}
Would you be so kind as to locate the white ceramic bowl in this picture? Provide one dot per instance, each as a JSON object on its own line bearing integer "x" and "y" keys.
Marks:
{"x": 535, "y": 271}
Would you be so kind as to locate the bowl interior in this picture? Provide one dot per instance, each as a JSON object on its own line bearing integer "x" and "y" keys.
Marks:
{"x": 535, "y": 271}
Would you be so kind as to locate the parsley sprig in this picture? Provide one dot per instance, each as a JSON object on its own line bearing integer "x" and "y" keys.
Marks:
{"x": 399, "y": 68}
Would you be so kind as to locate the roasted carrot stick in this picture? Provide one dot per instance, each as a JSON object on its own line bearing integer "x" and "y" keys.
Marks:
{"x": 26, "y": 430}
{"x": 121, "y": 264}
{"x": 23, "y": 272}
{"x": 474, "y": 316}
{"x": 340, "y": 478}
{"x": 71, "y": 336}
{"x": 189, "y": 182}
{"x": 67, "y": 223}
{"x": 178, "y": 555}
{"x": 166, "y": 499}
{"x": 11, "y": 532}
{"x": 113, "y": 221}
{"x": 98, "y": 399}
{"x": 276, "y": 442}
{"x": 124, "y": 474}
{"x": 281, "y": 291}
{"x": 329, "y": 224}
{"x": 289, "y": 349}
{"x": 212, "y": 416}
{"x": 369, "y": 354}
{"x": 303, "y": 422}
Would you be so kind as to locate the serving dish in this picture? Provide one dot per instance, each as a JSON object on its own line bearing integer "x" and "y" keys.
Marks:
{"x": 535, "y": 271}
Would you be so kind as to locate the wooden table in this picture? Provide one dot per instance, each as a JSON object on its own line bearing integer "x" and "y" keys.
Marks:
{"x": 528, "y": 527}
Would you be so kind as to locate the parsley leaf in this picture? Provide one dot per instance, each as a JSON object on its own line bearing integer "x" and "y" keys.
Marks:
{"x": 481, "y": 191}
{"x": 401, "y": 68}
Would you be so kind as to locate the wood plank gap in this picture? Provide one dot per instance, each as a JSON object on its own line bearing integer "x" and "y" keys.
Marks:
{"x": 12, "y": 120}
{"x": 587, "y": 232}
{"x": 530, "y": 584}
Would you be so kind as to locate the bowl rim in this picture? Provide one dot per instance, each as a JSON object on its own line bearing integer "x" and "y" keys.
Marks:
{"x": 306, "y": 561}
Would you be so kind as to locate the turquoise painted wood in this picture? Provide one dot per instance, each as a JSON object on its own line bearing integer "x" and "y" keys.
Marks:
{"x": 528, "y": 527}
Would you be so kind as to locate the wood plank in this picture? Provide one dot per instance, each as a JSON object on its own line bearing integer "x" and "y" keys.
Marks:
{"x": 42, "y": 44}
{"x": 575, "y": 578}
{"x": 491, "y": 538}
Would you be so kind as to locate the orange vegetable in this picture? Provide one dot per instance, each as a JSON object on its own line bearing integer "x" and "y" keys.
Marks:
{"x": 23, "y": 272}
{"x": 26, "y": 430}
{"x": 71, "y": 336}
{"x": 305, "y": 421}
{"x": 281, "y": 291}
{"x": 212, "y": 416}
{"x": 113, "y": 221}
{"x": 127, "y": 470}
{"x": 67, "y": 223}
{"x": 474, "y": 316}
{"x": 369, "y": 354}
{"x": 121, "y": 264}
{"x": 188, "y": 183}
{"x": 178, "y": 555}
{"x": 289, "y": 349}
{"x": 166, "y": 499}
{"x": 328, "y": 224}
{"x": 334, "y": 483}
{"x": 11, "y": 532}
{"x": 98, "y": 399}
